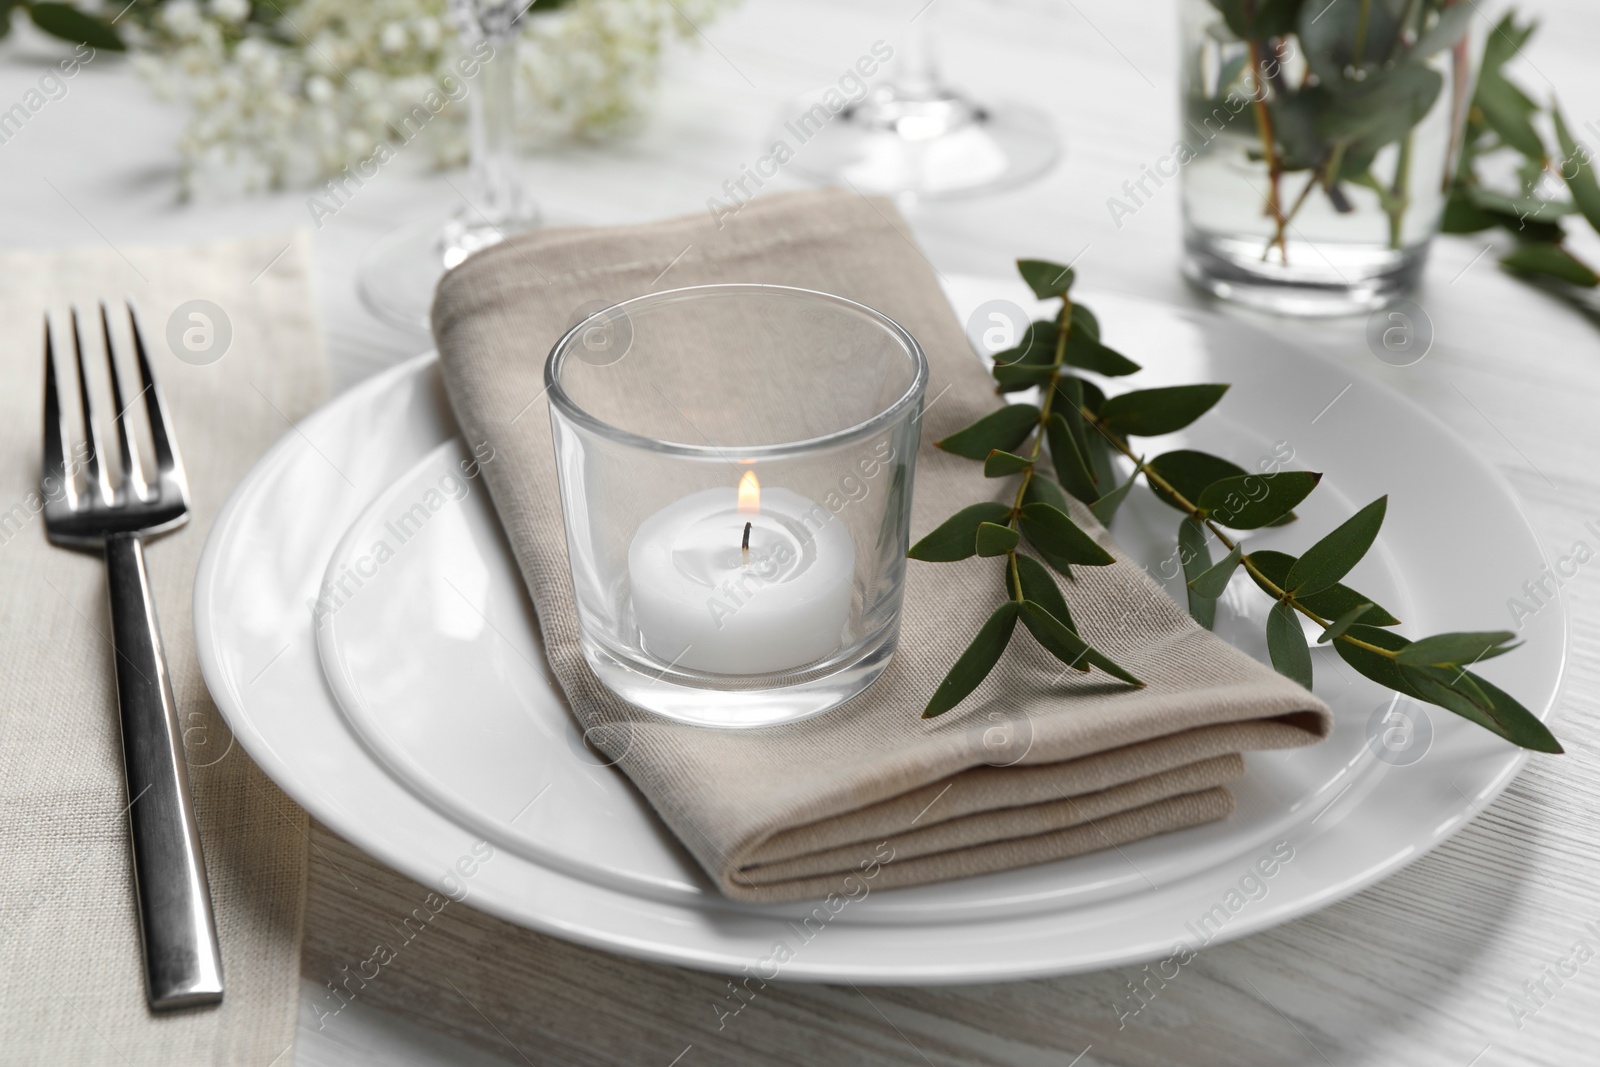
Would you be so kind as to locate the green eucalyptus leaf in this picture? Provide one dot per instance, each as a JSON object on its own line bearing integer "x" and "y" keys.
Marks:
{"x": 1087, "y": 353}
{"x": 70, "y": 24}
{"x": 1504, "y": 42}
{"x": 1039, "y": 587}
{"x": 996, "y": 540}
{"x": 1461, "y": 215}
{"x": 1330, "y": 603}
{"x": 1004, "y": 429}
{"x": 1094, "y": 398}
{"x": 1071, "y": 469}
{"x": 1190, "y": 472}
{"x": 1343, "y": 623}
{"x": 1066, "y": 646}
{"x": 1001, "y": 464}
{"x": 1195, "y": 555}
{"x": 1446, "y": 32}
{"x": 1213, "y": 582}
{"x": 1084, "y": 322}
{"x": 1152, "y": 412}
{"x": 1358, "y": 34}
{"x": 1517, "y": 724}
{"x": 1515, "y": 212}
{"x": 1295, "y": 116}
{"x": 1252, "y": 501}
{"x": 1038, "y": 345}
{"x": 1509, "y": 113}
{"x": 976, "y": 662}
{"x": 1381, "y": 669}
{"x": 1058, "y": 639}
{"x": 1046, "y": 279}
{"x": 1259, "y": 19}
{"x": 1069, "y": 399}
{"x": 1286, "y": 644}
{"x": 1105, "y": 509}
{"x": 1051, "y": 530}
{"x": 1577, "y": 170}
{"x": 1046, "y": 491}
{"x": 1551, "y": 261}
{"x": 1098, "y": 659}
{"x": 1015, "y": 377}
{"x": 1454, "y": 649}
{"x": 1381, "y": 108}
{"x": 1101, "y": 461}
{"x": 1091, "y": 440}
{"x": 957, "y": 537}
{"x": 1324, "y": 563}
{"x": 1453, "y": 689}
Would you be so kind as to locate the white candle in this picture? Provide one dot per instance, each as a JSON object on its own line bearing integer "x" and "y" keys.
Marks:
{"x": 702, "y": 601}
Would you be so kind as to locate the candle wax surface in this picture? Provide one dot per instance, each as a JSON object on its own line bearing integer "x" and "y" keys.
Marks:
{"x": 701, "y": 603}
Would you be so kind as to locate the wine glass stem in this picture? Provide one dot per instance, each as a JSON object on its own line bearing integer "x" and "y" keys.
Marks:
{"x": 919, "y": 66}
{"x": 496, "y": 190}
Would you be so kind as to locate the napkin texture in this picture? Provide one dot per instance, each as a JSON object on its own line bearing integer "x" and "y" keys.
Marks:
{"x": 71, "y": 970}
{"x": 868, "y": 796}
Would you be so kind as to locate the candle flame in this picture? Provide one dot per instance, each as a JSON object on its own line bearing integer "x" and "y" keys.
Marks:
{"x": 749, "y": 494}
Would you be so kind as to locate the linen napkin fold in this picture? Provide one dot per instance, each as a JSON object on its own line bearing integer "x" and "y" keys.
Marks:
{"x": 868, "y": 795}
{"x": 71, "y": 973}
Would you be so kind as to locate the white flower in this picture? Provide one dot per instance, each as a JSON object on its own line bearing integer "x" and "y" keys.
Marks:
{"x": 231, "y": 10}
{"x": 392, "y": 39}
{"x": 182, "y": 17}
{"x": 319, "y": 90}
{"x": 268, "y": 110}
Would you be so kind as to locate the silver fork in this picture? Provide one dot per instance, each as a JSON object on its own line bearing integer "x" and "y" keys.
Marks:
{"x": 183, "y": 962}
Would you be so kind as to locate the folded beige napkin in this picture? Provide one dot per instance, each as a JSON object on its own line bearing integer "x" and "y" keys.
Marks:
{"x": 71, "y": 978}
{"x": 869, "y": 790}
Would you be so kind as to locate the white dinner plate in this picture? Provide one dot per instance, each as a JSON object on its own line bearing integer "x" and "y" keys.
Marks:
{"x": 413, "y": 713}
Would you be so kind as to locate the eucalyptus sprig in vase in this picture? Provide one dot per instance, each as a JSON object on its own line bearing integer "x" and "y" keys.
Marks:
{"x": 1317, "y": 140}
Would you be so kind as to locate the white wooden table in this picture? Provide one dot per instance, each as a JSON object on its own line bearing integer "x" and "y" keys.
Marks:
{"x": 1417, "y": 971}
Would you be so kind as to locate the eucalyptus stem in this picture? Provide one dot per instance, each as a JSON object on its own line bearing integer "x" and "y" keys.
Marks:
{"x": 1270, "y": 154}
{"x": 1363, "y": 20}
{"x": 1312, "y": 181}
{"x": 1063, "y": 330}
{"x": 1199, "y": 515}
{"x": 1399, "y": 192}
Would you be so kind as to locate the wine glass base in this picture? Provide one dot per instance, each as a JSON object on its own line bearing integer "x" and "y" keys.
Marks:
{"x": 934, "y": 145}
{"x": 401, "y": 269}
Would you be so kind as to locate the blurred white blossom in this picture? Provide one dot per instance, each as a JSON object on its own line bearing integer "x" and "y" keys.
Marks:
{"x": 308, "y": 87}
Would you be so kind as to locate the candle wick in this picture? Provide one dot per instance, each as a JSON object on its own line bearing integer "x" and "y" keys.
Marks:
{"x": 744, "y": 544}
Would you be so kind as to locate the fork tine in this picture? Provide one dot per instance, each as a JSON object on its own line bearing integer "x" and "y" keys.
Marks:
{"x": 168, "y": 462}
{"x": 55, "y": 430}
{"x": 98, "y": 479}
{"x": 132, "y": 476}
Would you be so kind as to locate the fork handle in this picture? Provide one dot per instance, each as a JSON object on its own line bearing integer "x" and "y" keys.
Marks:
{"x": 183, "y": 961}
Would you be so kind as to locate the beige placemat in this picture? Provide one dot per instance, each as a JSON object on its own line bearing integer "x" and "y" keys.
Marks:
{"x": 870, "y": 789}
{"x": 71, "y": 978}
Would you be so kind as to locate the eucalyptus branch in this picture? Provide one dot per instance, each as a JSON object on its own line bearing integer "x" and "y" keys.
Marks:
{"x": 1200, "y": 515}
{"x": 1501, "y": 122}
{"x": 1080, "y": 430}
{"x": 1368, "y": 82}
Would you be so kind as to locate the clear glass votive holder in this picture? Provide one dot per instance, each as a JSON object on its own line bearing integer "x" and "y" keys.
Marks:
{"x": 735, "y": 464}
